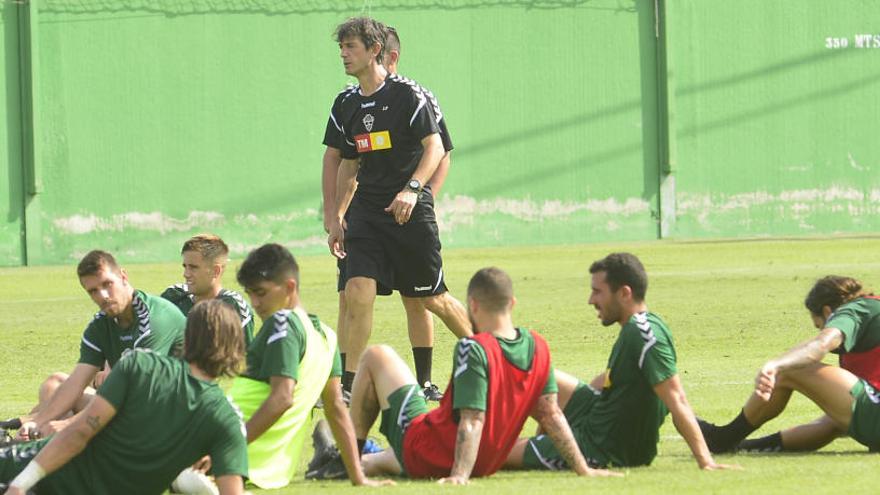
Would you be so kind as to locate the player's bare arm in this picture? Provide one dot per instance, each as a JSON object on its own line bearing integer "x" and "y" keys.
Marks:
{"x": 346, "y": 183}
{"x": 432, "y": 151}
{"x": 280, "y": 399}
{"x": 230, "y": 485}
{"x": 101, "y": 375}
{"x": 807, "y": 353}
{"x": 467, "y": 445}
{"x": 67, "y": 444}
{"x": 340, "y": 424}
{"x": 672, "y": 394}
{"x": 547, "y": 413}
{"x": 46, "y": 422}
{"x": 331, "y": 160}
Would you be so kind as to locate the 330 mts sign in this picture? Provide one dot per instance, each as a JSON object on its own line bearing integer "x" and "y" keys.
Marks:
{"x": 858, "y": 41}
{"x": 835, "y": 43}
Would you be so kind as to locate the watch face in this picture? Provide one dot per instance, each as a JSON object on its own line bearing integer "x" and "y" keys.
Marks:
{"x": 415, "y": 185}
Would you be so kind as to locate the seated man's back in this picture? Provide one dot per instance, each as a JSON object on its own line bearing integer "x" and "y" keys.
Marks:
{"x": 502, "y": 377}
{"x": 166, "y": 419}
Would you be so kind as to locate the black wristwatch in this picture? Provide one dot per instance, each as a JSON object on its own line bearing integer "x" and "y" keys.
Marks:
{"x": 414, "y": 185}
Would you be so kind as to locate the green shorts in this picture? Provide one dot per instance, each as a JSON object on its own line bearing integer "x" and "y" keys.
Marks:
{"x": 404, "y": 404}
{"x": 540, "y": 452}
{"x": 865, "y": 424}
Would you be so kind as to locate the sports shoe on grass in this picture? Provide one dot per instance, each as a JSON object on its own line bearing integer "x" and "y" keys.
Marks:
{"x": 322, "y": 441}
{"x": 10, "y": 424}
{"x": 432, "y": 392}
{"x": 332, "y": 469}
{"x": 371, "y": 447}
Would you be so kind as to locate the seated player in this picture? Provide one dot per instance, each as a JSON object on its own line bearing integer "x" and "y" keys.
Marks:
{"x": 292, "y": 361}
{"x": 849, "y": 320}
{"x": 204, "y": 261}
{"x": 152, "y": 416}
{"x": 616, "y": 421}
{"x": 502, "y": 375}
{"x": 128, "y": 319}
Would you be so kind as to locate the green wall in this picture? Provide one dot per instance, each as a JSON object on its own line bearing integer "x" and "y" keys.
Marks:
{"x": 775, "y": 133}
{"x": 130, "y": 127}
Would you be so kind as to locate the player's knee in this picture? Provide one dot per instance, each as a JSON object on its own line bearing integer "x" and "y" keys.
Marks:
{"x": 56, "y": 378}
{"x": 376, "y": 355}
{"x": 53, "y": 381}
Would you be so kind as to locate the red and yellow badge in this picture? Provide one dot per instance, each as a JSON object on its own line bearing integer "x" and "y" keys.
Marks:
{"x": 373, "y": 141}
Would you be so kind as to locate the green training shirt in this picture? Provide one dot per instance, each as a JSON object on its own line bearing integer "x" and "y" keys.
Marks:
{"x": 180, "y": 296}
{"x": 157, "y": 325}
{"x": 279, "y": 346}
{"x": 624, "y": 423}
{"x": 166, "y": 419}
{"x": 470, "y": 368}
{"x": 859, "y": 320}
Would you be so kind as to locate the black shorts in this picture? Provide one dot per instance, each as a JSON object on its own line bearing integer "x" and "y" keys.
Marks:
{"x": 403, "y": 257}
{"x": 342, "y": 278}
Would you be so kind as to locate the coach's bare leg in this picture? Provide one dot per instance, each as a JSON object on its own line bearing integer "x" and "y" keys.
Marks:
{"x": 419, "y": 322}
{"x": 452, "y": 312}
{"x": 360, "y": 294}
{"x": 341, "y": 333}
{"x": 811, "y": 436}
{"x": 827, "y": 386}
{"x": 420, "y": 326}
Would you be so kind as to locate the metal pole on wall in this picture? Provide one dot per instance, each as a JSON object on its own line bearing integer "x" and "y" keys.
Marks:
{"x": 666, "y": 104}
{"x": 31, "y": 160}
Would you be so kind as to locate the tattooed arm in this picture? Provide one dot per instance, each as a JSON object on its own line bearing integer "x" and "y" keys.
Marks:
{"x": 70, "y": 441}
{"x": 467, "y": 444}
{"x": 65, "y": 445}
{"x": 547, "y": 413}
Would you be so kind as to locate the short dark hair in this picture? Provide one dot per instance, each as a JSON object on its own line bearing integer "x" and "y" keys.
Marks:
{"x": 392, "y": 39}
{"x": 492, "y": 288}
{"x": 95, "y": 261}
{"x": 368, "y": 30}
{"x": 623, "y": 269}
{"x": 832, "y": 291}
{"x": 210, "y": 246}
{"x": 271, "y": 262}
{"x": 213, "y": 340}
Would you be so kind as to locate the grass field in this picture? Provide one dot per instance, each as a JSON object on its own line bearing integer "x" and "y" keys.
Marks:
{"x": 730, "y": 305}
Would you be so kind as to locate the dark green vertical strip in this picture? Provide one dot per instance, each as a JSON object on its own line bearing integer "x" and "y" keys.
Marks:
{"x": 12, "y": 251}
{"x": 666, "y": 120}
{"x": 650, "y": 116}
{"x": 31, "y": 172}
